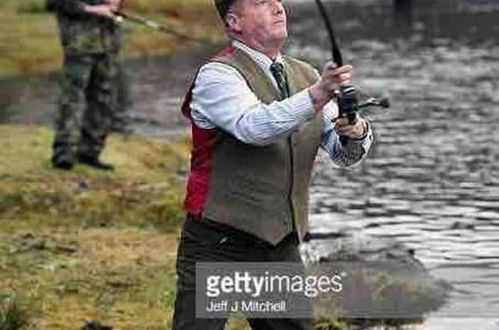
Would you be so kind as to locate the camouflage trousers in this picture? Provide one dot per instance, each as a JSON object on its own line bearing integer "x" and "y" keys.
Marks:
{"x": 95, "y": 81}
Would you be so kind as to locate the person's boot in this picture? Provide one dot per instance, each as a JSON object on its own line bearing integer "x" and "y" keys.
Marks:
{"x": 95, "y": 325}
{"x": 94, "y": 161}
{"x": 62, "y": 161}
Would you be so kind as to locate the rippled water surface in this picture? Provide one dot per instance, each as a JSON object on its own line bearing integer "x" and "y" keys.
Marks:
{"x": 431, "y": 181}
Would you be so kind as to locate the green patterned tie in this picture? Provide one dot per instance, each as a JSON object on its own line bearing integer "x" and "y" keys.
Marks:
{"x": 277, "y": 70}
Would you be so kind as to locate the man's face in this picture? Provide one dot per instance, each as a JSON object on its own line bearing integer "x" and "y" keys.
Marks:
{"x": 261, "y": 21}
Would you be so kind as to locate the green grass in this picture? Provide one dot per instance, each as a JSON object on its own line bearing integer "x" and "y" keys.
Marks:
{"x": 145, "y": 182}
{"x": 14, "y": 314}
{"x": 85, "y": 244}
{"x": 29, "y": 37}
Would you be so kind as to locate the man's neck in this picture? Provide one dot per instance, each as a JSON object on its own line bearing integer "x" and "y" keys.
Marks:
{"x": 271, "y": 51}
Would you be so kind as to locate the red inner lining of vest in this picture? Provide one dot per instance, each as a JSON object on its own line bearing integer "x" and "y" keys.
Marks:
{"x": 198, "y": 181}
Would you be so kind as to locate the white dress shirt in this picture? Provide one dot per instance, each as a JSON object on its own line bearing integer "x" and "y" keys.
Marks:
{"x": 221, "y": 98}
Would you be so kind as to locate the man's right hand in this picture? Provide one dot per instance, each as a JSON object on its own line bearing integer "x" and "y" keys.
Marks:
{"x": 99, "y": 10}
{"x": 332, "y": 77}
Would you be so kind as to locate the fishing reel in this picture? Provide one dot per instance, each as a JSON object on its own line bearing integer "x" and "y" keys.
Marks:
{"x": 348, "y": 98}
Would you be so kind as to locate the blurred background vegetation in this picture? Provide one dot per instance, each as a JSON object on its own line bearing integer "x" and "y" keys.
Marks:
{"x": 29, "y": 37}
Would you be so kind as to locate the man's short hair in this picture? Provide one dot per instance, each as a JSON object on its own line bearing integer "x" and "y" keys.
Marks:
{"x": 223, "y": 7}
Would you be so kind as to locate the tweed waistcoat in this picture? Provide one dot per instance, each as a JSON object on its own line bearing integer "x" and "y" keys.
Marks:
{"x": 262, "y": 190}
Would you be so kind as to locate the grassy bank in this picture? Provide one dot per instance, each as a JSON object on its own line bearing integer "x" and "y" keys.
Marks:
{"x": 85, "y": 244}
{"x": 29, "y": 36}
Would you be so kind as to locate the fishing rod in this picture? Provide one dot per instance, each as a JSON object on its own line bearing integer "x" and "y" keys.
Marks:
{"x": 119, "y": 16}
{"x": 348, "y": 96}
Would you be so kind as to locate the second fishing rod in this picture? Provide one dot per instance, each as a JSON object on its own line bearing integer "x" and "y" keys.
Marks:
{"x": 120, "y": 16}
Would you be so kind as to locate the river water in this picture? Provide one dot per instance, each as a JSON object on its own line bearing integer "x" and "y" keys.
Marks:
{"x": 432, "y": 179}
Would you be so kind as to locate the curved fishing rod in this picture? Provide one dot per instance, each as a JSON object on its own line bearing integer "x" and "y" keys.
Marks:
{"x": 335, "y": 50}
{"x": 348, "y": 99}
{"x": 119, "y": 16}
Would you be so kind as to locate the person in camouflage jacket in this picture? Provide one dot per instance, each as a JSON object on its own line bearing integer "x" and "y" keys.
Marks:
{"x": 91, "y": 42}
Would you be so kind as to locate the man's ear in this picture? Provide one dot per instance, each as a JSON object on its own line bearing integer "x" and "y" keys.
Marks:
{"x": 233, "y": 22}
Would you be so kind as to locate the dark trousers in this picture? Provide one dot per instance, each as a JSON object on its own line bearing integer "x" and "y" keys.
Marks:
{"x": 203, "y": 240}
{"x": 84, "y": 130}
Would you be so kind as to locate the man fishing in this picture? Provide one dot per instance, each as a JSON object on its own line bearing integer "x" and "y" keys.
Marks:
{"x": 91, "y": 42}
{"x": 258, "y": 119}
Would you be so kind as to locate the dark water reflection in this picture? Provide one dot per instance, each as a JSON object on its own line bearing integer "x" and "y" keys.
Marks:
{"x": 432, "y": 180}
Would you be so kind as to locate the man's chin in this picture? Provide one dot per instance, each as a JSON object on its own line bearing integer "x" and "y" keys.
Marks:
{"x": 281, "y": 35}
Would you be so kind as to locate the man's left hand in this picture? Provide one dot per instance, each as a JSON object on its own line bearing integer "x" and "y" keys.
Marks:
{"x": 351, "y": 131}
{"x": 115, "y": 5}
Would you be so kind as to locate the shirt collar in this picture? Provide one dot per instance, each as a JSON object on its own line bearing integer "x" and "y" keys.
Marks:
{"x": 262, "y": 60}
